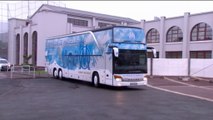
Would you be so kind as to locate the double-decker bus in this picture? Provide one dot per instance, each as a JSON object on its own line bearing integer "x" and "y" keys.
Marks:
{"x": 115, "y": 56}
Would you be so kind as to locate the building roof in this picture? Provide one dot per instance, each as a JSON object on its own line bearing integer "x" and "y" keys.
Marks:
{"x": 81, "y": 13}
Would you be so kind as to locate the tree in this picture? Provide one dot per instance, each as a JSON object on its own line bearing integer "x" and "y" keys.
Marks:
{"x": 26, "y": 59}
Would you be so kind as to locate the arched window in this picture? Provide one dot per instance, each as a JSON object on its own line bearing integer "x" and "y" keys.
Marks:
{"x": 174, "y": 34}
{"x": 17, "y": 48}
{"x": 201, "y": 31}
{"x": 25, "y": 46}
{"x": 34, "y": 48}
{"x": 153, "y": 36}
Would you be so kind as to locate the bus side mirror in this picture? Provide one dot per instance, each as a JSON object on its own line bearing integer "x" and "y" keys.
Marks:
{"x": 153, "y": 51}
{"x": 116, "y": 51}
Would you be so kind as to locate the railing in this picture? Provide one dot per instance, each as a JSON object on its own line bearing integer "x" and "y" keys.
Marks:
{"x": 24, "y": 70}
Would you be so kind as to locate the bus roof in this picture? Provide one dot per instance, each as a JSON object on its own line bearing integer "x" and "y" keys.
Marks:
{"x": 94, "y": 30}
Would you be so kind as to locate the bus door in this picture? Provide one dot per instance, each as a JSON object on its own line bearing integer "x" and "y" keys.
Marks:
{"x": 108, "y": 68}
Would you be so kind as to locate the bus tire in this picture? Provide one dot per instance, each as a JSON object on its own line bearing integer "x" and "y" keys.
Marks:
{"x": 60, "y": 74}
{"x": 95, "y": 80}
{"x": 55, "y": 73}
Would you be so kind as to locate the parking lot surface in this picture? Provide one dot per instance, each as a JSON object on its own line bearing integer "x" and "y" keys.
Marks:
{"x": 52, "y": 99}
{"x": 201, "y": 89}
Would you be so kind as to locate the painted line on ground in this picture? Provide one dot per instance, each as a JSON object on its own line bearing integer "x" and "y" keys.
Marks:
{"x": 172, "y": 80}
{"x": 175, "y": 92}
{"x": 202, "y": 79}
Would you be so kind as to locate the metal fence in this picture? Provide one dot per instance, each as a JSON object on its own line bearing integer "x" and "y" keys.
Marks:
{"x": 25, "y": 70}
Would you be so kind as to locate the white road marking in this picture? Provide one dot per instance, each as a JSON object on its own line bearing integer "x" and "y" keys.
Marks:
{"x": 169, "y": 79}
{"x": 175, "y": 92}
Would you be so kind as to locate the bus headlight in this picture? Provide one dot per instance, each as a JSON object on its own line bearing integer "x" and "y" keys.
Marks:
{"x": 118, "y": 78}
{"x": 145, "y": 79}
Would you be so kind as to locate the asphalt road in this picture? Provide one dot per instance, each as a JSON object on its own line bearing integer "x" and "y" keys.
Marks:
{"x": 51, "y": 99}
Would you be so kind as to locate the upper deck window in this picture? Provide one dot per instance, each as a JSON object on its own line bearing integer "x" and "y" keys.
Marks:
{"x": 128, "y": 35}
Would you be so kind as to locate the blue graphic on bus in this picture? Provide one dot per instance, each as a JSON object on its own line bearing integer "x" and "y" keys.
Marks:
{"x": 74, "y": 52}
{"x": 80, "y": 51}
{"x": 128, "y": 35}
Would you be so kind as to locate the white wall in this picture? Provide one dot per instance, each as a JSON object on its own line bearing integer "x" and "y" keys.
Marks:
{"x": 179, "y": 67}
{"x": 48, "y": 24}
{"x": 170, "y": 67}
{"x": 11, "y": 44}
{"x": 202, "y": 67}
{"x": 15, "y": 26}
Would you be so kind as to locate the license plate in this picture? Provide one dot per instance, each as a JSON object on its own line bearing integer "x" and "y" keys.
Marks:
{"x": 133, "y": 84}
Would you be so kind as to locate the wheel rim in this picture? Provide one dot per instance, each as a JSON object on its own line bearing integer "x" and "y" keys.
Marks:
{"x": 55, "y": 73}
{"x": 96, "y": 80}
{"x": 60, "y": 74}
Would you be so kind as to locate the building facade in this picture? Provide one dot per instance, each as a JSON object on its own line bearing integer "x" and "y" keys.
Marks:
{"x": 187, "y": 36}
{"x": 27, "y": 37}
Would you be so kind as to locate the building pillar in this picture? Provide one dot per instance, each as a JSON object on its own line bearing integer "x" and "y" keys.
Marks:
{"x": 142, "y": 24}
{"x": 186, "y": 36}
{"x": 30, "y": 41}
{"x": 21, "y": 44}
{"x": 71, "y": 28}
{"x": 94, "y": 23}
{"x": 11, "y": 41}
{"x": 124, "y": 23}
{"x": 162, "y": 37}
{"x": 212, "y": 53}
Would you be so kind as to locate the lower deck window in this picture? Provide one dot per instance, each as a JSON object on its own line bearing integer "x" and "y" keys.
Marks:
{"x": 174, "y": 54}
{"x": 200, "y": 54}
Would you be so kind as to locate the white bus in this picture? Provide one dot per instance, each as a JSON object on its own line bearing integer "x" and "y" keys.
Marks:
{"x": 115, "y": 56}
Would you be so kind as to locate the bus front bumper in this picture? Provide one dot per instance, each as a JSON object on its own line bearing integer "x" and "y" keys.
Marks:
{"x": 135, "y": 83}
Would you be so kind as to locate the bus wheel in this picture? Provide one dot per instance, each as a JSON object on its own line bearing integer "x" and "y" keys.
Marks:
{"x": 55, "y": 73}
{"x": 60, "y": 74}
{"x": 95, "y": 80}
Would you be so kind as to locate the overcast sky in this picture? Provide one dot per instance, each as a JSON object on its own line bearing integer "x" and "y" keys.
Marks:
{"x": 137, "y": 10}
{"x": 142, "y": 9}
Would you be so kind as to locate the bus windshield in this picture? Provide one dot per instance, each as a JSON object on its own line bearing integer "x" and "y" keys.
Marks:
{"x": 130, "y": 62}
{"x": 128, "y": 35}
